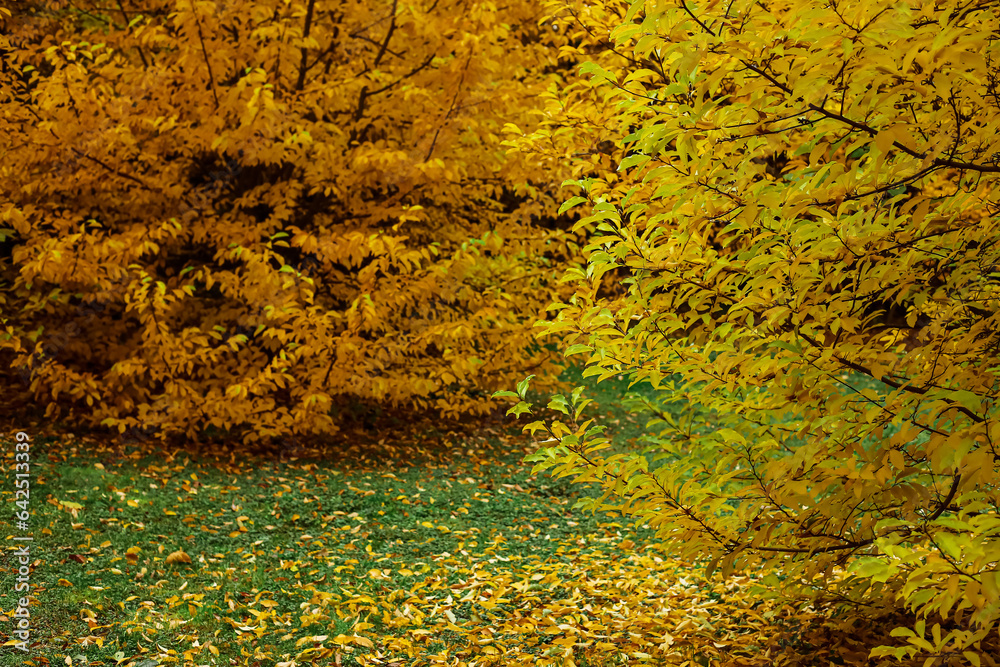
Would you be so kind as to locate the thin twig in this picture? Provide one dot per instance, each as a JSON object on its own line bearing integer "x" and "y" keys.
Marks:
{"x": 208, "y": 64}
{"x": 142, "y": 55}
{"x": 388, "y": 36}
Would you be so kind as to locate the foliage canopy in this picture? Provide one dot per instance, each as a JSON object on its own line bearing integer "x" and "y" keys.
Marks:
{"x": 806, "y": 212}
{"x": 242, "y": 215}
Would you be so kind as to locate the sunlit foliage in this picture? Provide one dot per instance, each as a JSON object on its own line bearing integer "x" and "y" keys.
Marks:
{"x": 243, "y": 215}
{"x": 806, "y": 211}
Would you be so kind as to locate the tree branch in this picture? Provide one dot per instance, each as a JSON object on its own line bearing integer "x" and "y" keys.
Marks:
{"x": 142, "y": 55}
{"x": 864, "y": 127}
{"x": 388, "y": 36}
{"x": 305, "y": 33}
{"x": 886, "y": 380}
{"x": 947, "y": 501}
{"x": 208, "y": 64}
{"x": 113, "y": 170}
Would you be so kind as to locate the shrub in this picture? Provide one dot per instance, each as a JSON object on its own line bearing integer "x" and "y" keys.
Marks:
{"x": 806, "y": 209}
{"x": 237, "y": 215}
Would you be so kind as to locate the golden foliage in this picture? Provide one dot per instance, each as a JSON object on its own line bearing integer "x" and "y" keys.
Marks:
{"x": 239, "y": 214}
{"x": 806, "y": 211}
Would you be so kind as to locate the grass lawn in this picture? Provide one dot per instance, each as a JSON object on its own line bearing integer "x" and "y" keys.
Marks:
{"x": 437, "y": 548}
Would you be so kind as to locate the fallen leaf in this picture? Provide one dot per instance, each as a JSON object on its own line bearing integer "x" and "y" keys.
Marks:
{"x": 178, "y": 557}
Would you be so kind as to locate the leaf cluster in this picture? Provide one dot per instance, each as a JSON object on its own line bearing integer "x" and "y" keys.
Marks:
{"x": 243, "y": 216}
{"x": 805, "y": 212}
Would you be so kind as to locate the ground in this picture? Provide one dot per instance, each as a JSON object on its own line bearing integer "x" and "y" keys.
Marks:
{"x": 439, "y": 547}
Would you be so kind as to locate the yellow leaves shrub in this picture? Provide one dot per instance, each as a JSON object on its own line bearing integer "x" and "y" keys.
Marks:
{"x": 242, "y": 215}
{"x": 805, "y": 212}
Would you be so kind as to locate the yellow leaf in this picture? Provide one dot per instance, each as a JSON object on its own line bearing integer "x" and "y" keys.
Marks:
{"x": 314, "y": 639}
{"x": 178, "y": 557}
{"x": 64, "y": 582}
{"x": 884, "y": 140}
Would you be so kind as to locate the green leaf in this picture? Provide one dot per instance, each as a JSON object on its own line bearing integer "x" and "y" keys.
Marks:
{"x": 534, "y": 426}
{"x": 559, "y": 403}
{"x": 504, "y": 394}
{"x": 520, "y": 409}
{"x": 522, "y": 386}
{"x": 571, "y": 202}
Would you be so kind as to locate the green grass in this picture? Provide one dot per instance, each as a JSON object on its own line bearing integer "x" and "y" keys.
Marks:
{"x": 256, "y": 530}
{"x": 366, "y": 548}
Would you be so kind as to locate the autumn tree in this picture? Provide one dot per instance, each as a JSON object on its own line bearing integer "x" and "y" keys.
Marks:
{"x": 243, "y": 214}
{"x": 806, "y": 209}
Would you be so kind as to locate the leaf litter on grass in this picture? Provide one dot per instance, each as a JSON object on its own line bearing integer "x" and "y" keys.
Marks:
{"x": 381, "y": 554}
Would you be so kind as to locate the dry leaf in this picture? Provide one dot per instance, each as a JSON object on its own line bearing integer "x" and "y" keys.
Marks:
{"x": 178, "y": 557}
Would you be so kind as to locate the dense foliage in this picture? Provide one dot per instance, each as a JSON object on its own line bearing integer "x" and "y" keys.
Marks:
{"x": 806, "y": 210}
{"x": 242, "y": 215}
{"x": 245, "y": 215}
